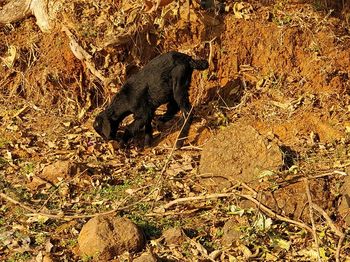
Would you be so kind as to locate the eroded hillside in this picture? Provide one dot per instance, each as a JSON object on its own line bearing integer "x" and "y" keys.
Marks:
{"x": 279, "y": 69}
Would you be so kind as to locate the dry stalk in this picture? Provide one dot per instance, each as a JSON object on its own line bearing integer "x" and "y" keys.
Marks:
{"x": 33, "y": 212}
{"x": 314, "y": 232}
{"x": 11, "y": 200}
{"x": 261, "y": 206}
{"x": 328, "y": 220}
{"x": 211, "y": 50}
{"x": 84, "y": 56}
{"x": 162, "y": 172}
{"x": 337, "y": 231}
{"x": 335, "y": 172}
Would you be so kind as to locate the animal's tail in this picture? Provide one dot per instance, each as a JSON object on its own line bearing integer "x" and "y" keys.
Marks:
{"x": 199, "y": 64}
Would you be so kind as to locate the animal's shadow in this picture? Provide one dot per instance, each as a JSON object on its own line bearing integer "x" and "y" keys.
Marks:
{"x": 229, "y": 95}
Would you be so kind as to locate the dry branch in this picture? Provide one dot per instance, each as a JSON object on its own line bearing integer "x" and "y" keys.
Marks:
{"x": 20, "y": 9}
{"x": 84, "y": 56}
{"x": 39, "y": 9}
{"x": 14, "y": 11}
{"x": 314, "y": 232}
{"x": 337, "y": 231}
{"x": 261, "y": 206}
{"x": 62, "y": 216}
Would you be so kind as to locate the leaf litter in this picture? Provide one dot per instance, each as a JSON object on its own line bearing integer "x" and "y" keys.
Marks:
{"x": 136, "y": 182}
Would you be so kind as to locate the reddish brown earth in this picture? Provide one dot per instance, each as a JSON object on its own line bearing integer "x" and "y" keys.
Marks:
{"x": 281, "y": 67}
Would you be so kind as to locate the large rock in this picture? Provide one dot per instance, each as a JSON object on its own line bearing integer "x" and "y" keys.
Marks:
{"x": 290, "y": 198}
{"x": 105, "y": 237}
{"x": 238, "y": 152}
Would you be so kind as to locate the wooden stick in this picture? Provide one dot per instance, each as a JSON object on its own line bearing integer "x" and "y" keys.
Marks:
{"x": 337, "y": 231}
{"x": 84, "y": 56}
{"x": 328, "y": 220}
{"x": 62, "y": 216}
{"x": 161, "y": 175}
{"x": 314, "y": 233}
{"x": 11, "y": 200}
{"x": 264, "y": 208}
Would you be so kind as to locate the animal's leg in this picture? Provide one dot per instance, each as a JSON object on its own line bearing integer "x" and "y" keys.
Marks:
{"x": 180, "y": 89}
{"x": 141, "y": 120}
{"x": 172, "y": 109}
{"x": 133, "y": 128}
{"x": 148, "y": 132}
{"x": 114, "y": 127}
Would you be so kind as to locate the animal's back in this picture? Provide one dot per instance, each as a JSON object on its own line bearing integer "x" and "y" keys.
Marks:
{"x": 155, "y": 78}
{"x": 163, "y": 63}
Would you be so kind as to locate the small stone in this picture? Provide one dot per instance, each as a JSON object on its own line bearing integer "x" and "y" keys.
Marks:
{"x": 232, "y": 232}
{"x": 146, "y": 257}
{"x": 174, "y": 236}
{"x": 58, "y": 171}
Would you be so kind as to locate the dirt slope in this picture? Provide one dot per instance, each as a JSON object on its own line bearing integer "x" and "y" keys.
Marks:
{"x": 280, "y": 66}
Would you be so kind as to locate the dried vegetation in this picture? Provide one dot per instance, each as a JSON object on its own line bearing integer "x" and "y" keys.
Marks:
{"x": 279, "y": 66}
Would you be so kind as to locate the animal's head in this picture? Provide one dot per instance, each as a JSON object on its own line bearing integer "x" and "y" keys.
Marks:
{"x": 102, "y": 126}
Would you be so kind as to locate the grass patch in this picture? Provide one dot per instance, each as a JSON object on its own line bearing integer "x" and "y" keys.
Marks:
{"x": 149, "y": 227}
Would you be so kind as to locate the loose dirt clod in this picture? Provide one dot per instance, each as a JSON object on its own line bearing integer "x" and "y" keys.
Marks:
{"x": 58, "y": 171}
{"x": 146, "y": 257}
{"x": 174, "y": 236}
{"x": 105, "y": 237}
{"x": 232, "y": 232}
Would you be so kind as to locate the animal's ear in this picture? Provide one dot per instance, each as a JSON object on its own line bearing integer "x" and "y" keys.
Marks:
{"x": 106, "y": 128}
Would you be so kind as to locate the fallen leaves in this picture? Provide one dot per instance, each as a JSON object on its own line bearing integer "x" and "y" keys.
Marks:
{"x": 9, "y": 60}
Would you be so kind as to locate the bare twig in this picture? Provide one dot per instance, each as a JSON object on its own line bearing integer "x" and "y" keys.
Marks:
{"x": 190, "y": 199}
{"x": 314, "y": 233}
{"x": 264, "y": 208}
{"x": 11, "y": 200}
{"x": 301, "y": 178}
{"x": 339, "y": 246}
{"x": 337, "y": 231}
{"x": 211, "y": 50}
{"x": 334, "y": 172}
{"x": 84, "y": 56}
{"x": 328, "y": 220}
{"x": 62, "y": 216}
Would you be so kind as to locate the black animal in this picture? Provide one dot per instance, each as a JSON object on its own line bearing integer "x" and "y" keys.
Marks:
{"x": 165, "y": 79}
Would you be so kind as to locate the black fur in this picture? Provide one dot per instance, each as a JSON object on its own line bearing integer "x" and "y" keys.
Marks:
{"x": 165, "y": 79}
